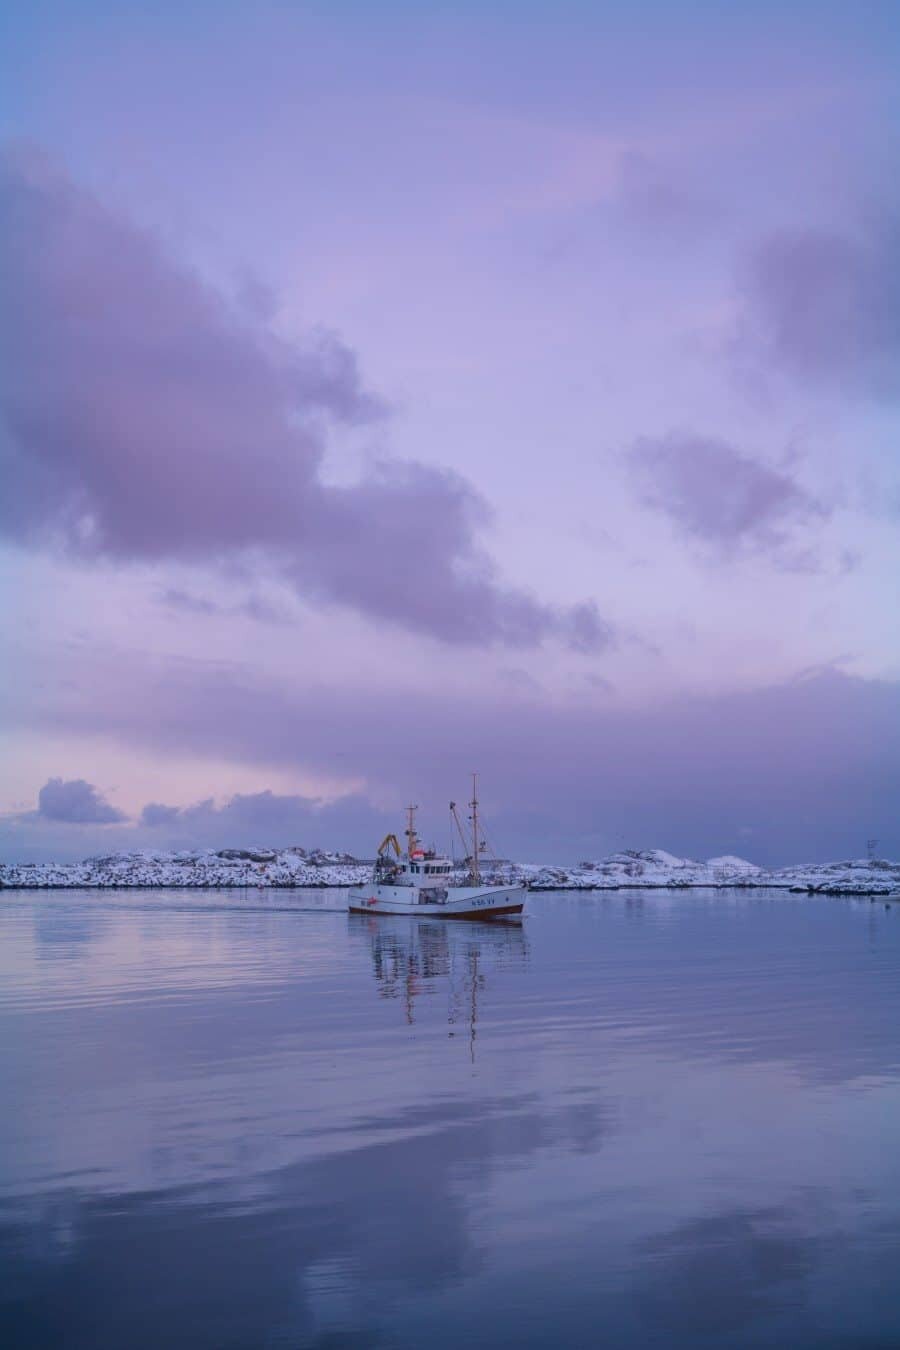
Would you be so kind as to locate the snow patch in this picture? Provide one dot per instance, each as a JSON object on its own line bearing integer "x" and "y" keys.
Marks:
{"x": 299, "y": 867}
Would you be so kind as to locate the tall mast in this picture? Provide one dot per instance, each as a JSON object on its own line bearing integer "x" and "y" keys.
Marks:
{"x": 460, "y": 831}
{"x": 476, "y": 842}
{"x": 411, "y": 840}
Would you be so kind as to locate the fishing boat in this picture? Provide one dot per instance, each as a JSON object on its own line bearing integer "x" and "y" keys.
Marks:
{"x": 421, "y": 882}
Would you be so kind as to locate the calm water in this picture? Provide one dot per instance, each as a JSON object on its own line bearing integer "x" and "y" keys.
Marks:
{"x": 242, "y": 1119}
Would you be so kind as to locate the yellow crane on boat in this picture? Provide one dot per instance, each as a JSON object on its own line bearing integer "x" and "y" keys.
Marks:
{"x": 389, "y": 841}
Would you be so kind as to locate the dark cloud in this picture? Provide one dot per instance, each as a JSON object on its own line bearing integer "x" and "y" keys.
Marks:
{"x": 76, "y": 803}
{"x": 145, "y": 420}
{"x": 809, "y": 765}
{"x": 155, "y": 814}
{"x": 825, "y": 307}
{"x": 271, "y": 819}
{"x": 718, "y": 494}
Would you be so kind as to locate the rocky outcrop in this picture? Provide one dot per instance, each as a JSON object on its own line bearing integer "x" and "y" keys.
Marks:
{"x": 297, "y": 867}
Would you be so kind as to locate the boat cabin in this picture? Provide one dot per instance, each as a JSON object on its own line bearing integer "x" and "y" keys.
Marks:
{"x": 421, "y": 868}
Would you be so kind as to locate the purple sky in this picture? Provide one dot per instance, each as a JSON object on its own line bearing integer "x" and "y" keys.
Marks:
{"x": 390, "y": 392}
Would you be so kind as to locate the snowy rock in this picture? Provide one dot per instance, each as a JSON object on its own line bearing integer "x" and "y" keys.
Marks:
{"x": 656, "y": 868}
{"x": 227, "y": 867}
{"x": 297, "y": 867}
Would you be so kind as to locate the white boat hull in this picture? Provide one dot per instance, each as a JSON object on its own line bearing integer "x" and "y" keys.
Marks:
{"x": 462, "y": 902}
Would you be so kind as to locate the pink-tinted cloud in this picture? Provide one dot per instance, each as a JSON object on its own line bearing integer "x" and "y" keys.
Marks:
{"x": 719, "y": 495}
{"x": 144, "y": 420}
{"x": 809, "y": 766}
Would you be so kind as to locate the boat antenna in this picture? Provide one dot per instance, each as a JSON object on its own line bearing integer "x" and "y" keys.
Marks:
{"x": 476, "y": 842}
{"x": 411, "y": 839}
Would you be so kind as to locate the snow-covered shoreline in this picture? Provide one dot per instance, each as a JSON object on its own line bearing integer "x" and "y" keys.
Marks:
{"x": 298, "y": 868}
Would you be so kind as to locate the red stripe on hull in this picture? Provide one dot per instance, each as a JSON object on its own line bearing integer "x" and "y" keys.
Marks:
{"x": 483, "y": 915}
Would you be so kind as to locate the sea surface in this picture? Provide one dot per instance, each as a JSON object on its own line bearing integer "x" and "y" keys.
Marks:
{"x": 249, "y": 1119}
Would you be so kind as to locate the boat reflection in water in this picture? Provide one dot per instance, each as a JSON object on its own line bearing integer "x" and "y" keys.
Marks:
{"x": 415, "y": 960}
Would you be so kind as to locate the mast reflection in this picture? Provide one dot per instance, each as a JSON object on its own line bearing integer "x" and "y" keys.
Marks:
{"x": 412, "y": 959}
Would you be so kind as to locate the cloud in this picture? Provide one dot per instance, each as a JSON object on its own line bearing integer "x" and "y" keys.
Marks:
{"x": 200, "y": 606}
{"x": 265, "y": 819}
{"x": 810, "y": 765}
{"x": 75, "y": 803}
{"x": 719, "y": 495}
{"x": 155, "y": 814}
{"x": 660, "y": 197}
{"x": 586, "y": 631}
{"x": 145, "y": 420}
{"x": 187, "y": 603}
{"x": 824, "y": 307}
{"x": 270, "y": 818}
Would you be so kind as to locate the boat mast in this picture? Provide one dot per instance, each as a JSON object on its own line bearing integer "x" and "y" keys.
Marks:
{"x": 460, "y": 831}
{"x": 476, "y": 842}
{"x": 411, "y": 839}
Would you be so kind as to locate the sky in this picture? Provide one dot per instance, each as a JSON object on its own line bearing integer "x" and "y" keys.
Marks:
{"x": 392, "y": 391}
